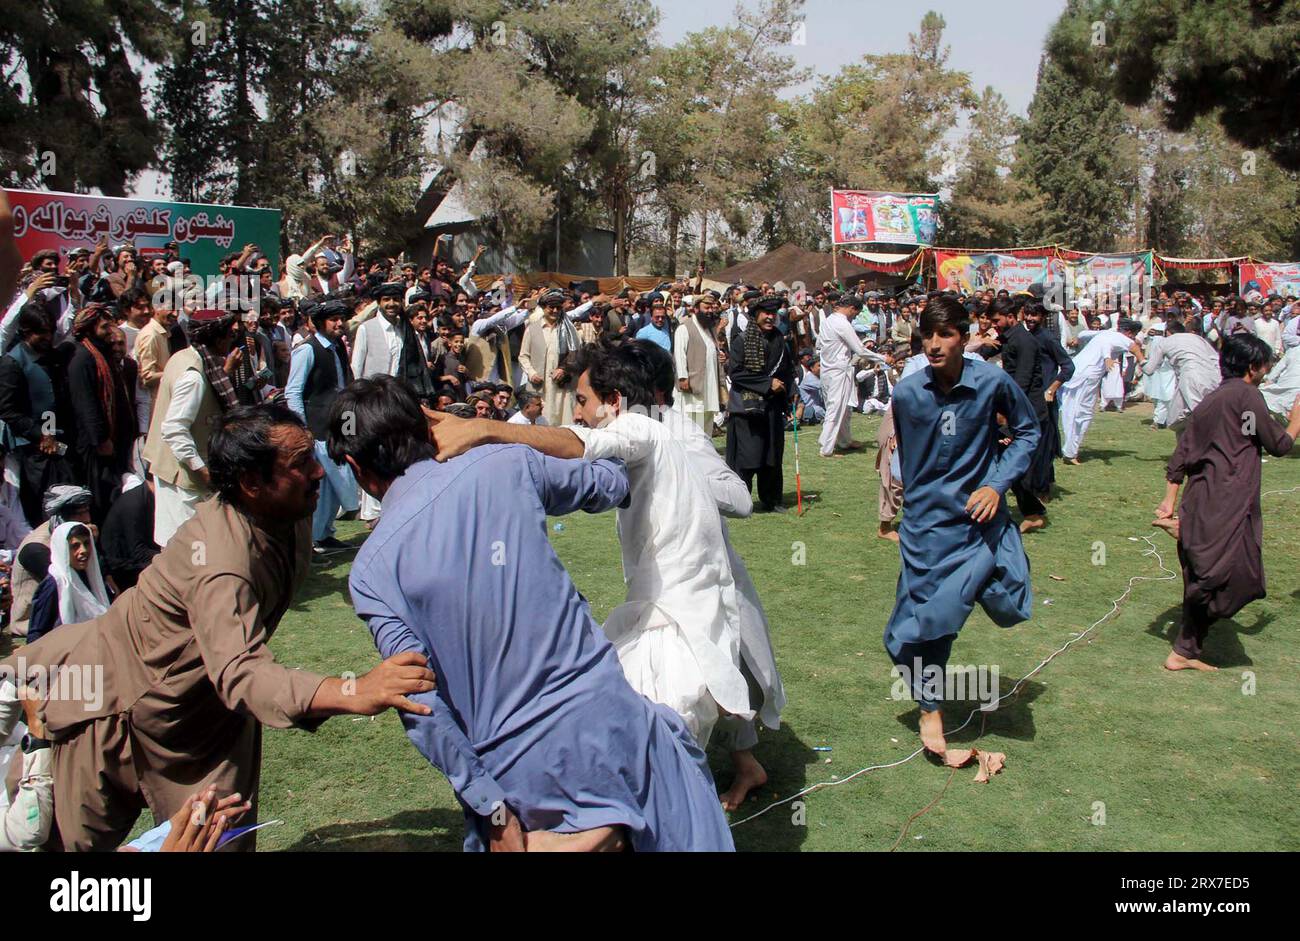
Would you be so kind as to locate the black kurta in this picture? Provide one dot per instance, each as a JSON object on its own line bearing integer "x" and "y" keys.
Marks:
{"x": 1221, "y": 541}
{"x": 757, "y": 441}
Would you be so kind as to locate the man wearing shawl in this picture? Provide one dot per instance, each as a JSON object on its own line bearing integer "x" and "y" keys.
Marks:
{"x": 195, "y": 389}
{"x": 957, "y": 541}
{"x": 762, "y": 379}
{"x": 105, "y": 421}
{"x": 549, "y": 343}
{"x": 1220, "y": 526}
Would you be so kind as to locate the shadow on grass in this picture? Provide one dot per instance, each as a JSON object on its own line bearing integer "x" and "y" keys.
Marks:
{"x": 1013, "y": 717}
{"x": 1105, "y": 457}
{"x": 435, "y": 830}
{"x": 1222, "y": 647}
{"x": 331, "y": 580}
{"x": 786, "y": 759}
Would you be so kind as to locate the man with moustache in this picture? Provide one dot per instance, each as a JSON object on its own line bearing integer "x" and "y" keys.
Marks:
{"x": 184, "y": 677}
{"x": 695, "y": 355}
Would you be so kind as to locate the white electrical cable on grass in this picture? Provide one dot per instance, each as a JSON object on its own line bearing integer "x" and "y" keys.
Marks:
{"x": 1114, "y": 609}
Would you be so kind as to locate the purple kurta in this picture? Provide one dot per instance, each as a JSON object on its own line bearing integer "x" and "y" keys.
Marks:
{"x": 1221, "y": 531}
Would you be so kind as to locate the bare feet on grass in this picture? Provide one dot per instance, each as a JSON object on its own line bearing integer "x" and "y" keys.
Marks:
{"x": 932, "y": 732}
{"x": 1031, "y": 523}
{"x": 1169, "y": 524}
{"x": 887, "y": 532}
{"x": 1176, "y": 661}
{"x": 749, "y": 775}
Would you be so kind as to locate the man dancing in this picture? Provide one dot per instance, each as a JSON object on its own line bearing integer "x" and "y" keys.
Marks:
{"x": 188, "y": 678}
{"x": 1079, "y": 395}
{"x": 1220, "y": 528}
{"x": 957, "y": 541}
{"x": 677, "y": 632}
{"x": 544, "y": 741}
{"x": 838, "y": 348}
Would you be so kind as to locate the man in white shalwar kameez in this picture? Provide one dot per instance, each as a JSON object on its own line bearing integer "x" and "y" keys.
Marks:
{"x": 695, "y": 356}
{"x": 838, "y": 348}
{"x": 677, "y": 634}
{"x": 1281, "y": 386}
{"x": 1079, "y": 395}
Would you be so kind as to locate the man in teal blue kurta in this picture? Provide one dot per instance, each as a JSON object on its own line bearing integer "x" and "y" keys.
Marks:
{"x": 957, "y": 541}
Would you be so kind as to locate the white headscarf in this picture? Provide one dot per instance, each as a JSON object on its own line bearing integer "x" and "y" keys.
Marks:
{"x": 77, "y": 602}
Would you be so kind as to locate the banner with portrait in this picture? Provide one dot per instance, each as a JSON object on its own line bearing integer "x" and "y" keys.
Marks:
{"x": 892, "y": 218}
{"x": 969, "y": 272}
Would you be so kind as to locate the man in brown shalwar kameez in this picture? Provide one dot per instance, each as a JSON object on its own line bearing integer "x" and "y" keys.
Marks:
{"x": 187, "y": 679}
{"x": 1219, "y": 529}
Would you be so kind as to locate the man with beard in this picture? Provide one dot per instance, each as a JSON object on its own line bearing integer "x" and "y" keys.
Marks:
{"x": 695, "y": 355}
{"x": 188, "y": 677}
{"x": 195, "y": 388}
{"x": 762, "y": 376}
{"x": 549, "y": 343}
{"x": 106, "y": 425}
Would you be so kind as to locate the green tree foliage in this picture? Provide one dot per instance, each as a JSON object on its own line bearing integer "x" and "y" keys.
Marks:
{"x": 73, "y": 90}
{"x": 987, "y": 206}
{"x": 1234, "y": 60}
{"x": 1075, "y": 155}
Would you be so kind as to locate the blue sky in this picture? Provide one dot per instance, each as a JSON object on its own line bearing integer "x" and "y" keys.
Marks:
{"x": 997, "y": 41}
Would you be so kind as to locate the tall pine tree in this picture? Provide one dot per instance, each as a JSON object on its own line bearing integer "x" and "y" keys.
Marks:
{"x": 1073, "y": 154}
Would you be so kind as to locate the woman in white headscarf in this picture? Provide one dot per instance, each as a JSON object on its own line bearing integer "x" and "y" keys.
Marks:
{"x": 73, "y": 589}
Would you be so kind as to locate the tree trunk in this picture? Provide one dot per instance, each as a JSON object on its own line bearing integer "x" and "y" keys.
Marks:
{"x": 704, "y": 237}
{"x": 674, "y": 223}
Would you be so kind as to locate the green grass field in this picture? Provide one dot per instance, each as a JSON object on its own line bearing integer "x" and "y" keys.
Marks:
{"x": 1172, "y": 761}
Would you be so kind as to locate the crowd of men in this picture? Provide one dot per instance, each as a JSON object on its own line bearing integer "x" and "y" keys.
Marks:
{"x": 177, "y": 456}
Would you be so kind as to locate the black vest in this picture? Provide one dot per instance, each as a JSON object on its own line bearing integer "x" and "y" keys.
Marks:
{"x": 322, "y": 384}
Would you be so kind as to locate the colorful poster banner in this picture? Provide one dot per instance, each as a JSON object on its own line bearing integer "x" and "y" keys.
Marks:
{"x": 205, "y": 232}
{"x": 1281, "y": 278}
{"x": 1117, "y": 280}
{"x": 893, "y": 218}
{"x": 957, "y": 271}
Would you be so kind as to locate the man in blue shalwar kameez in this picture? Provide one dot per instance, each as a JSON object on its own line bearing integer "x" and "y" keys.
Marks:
{"x": 544, "y": 741}
{"x": 957, "y": 540}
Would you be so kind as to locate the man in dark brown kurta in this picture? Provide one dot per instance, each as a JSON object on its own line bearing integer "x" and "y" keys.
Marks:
{"x": 187, "y": 678}
{"x": 1220, "y": 530}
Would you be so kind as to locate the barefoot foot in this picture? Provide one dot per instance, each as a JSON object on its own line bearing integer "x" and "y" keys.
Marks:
{"x": 749, "y": 775}
{"x": 1176, "y": 661}
{"x": 932, "y": 732}
{"x": 1168, "y": 524}
{"x": 887, "y": 532}
{"x": 1031, "y": 523}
